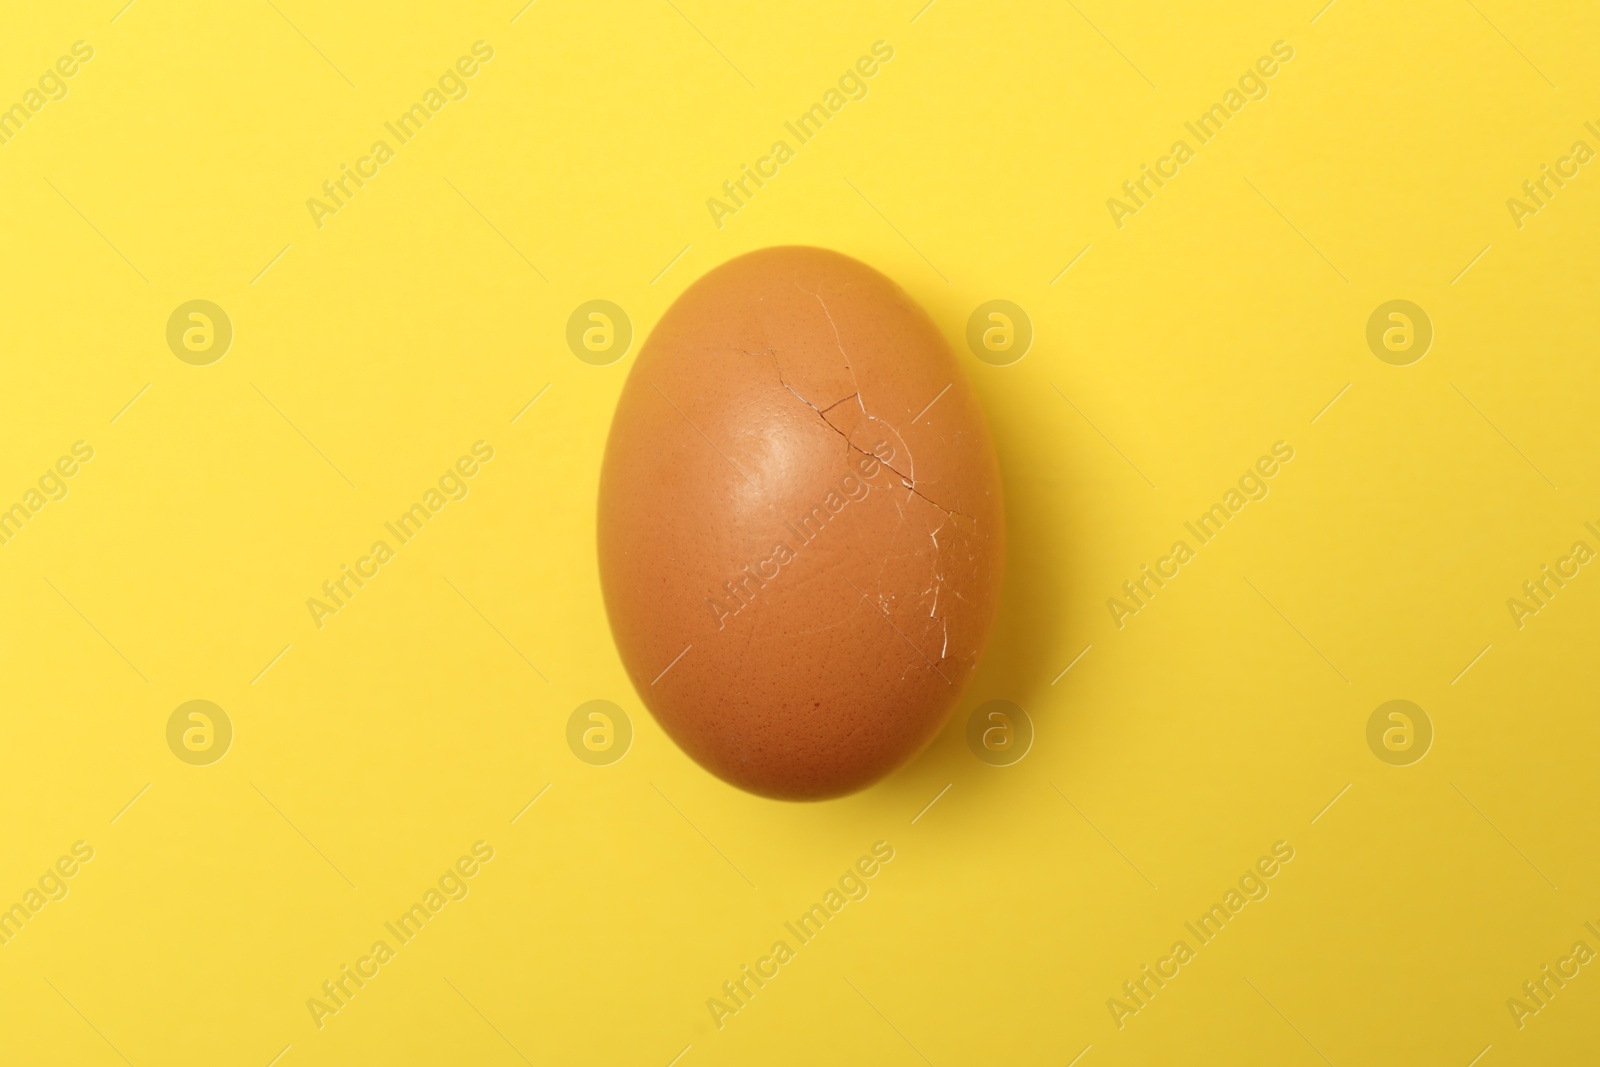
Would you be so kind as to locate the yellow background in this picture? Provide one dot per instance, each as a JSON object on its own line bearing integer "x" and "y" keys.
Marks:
{"x": 374, "y": 751}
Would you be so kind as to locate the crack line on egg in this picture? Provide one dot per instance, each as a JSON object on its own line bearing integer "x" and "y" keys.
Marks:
{"x": 838, "y": 342}
{"x": 836, "y": 403}
{"x": 906, "y": 480}
{"x": 903, "y": 637}
{"x": 779, "y": 369}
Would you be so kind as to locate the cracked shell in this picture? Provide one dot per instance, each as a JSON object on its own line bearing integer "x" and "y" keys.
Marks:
{"x": 800, "y": 524}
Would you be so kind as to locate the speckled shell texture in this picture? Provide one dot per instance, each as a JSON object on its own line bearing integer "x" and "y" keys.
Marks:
{"x": 801, "y": 531}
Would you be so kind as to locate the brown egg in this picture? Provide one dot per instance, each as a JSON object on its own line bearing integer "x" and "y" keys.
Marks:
{"x": 800, "y": 531}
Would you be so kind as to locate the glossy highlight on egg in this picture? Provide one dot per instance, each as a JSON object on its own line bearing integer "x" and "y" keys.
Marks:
{"x": 800, "y": 529}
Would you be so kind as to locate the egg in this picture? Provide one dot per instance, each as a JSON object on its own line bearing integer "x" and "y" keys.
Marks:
{"x": 800, "y": 530}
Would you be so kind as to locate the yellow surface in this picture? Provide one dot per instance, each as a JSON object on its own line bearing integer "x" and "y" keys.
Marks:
{"x": 370, "y": 753}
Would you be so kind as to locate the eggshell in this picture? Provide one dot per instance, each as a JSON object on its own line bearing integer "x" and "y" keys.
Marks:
{"x": 800, "y": 525}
